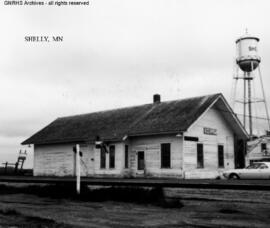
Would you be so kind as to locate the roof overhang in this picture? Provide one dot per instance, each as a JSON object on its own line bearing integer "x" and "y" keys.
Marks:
{"x": 232, "y": 119}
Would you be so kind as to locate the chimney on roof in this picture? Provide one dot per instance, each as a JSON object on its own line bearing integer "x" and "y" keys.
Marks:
{"x": 156, "y": 98}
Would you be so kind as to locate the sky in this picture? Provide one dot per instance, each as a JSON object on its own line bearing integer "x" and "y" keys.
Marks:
{"x": 117, "y": 54}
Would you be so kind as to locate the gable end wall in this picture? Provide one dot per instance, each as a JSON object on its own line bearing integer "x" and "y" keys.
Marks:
{"x": 211, "y": 119}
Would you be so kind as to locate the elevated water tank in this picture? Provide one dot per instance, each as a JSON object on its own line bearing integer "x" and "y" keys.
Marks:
{"x": 247, "y": 53}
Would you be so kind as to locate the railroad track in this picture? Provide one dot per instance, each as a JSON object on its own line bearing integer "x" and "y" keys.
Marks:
{"x": 169, "y": 183}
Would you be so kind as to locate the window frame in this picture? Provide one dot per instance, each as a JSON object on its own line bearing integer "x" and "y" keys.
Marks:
{"x": 263, "y": 147}
{"x": 102, "y": 158}
{"x": 163, "y": 149}
{"x": 112, "y": 155}
{"x": 200, "y": 165}
{"x": 126, "y": 156}
{"x": 221, "y": 165}
{"x": 140, "y": 152}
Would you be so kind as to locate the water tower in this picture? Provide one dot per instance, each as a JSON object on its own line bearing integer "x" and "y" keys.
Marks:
{"x": 247, "y": 68}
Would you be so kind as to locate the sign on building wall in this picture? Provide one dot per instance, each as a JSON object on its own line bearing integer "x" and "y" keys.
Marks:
{"x": 209, "y": 131}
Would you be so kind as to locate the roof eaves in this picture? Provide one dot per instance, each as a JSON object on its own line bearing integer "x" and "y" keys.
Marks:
{"x": 216, "y": 96}
{"x": 29, "y": 140}
{"x": 235, "y": 117}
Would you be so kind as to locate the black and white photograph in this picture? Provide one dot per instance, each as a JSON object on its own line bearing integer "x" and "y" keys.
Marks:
{"x": 134, "y": 113}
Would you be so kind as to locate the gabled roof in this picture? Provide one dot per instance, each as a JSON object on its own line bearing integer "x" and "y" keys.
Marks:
{"x": 112, "y": 125}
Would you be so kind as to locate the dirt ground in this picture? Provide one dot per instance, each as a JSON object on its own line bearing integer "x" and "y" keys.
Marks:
{"x": 179, "y": 208}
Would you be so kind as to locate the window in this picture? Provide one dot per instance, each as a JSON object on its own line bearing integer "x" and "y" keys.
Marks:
{"x": 189, "y": 138}
{"x": 165, "y": 155}
{"x": 140, "y": 160}
{"x": 112, "y": 157}
{"x": 102, "y": 158}
{"x": 200, "y": 155}
{"x": 126, "y": 156}
{"x": 220, "y": 156}
{"x": 263, "y": 147}
{"x": 254, "y": 166}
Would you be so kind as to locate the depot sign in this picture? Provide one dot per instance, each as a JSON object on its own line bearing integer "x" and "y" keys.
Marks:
{"x": 209, "y": 131}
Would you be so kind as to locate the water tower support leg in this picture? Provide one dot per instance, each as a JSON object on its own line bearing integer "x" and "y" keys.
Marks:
{"x": 234, "y": 86}
{"x": 249, "y": 104}
{"x": 264, "y": 99}
{"x": 244, "y": 102}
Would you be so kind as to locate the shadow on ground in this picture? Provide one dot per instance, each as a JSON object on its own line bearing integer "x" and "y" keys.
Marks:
{"x": 138, "y": 195}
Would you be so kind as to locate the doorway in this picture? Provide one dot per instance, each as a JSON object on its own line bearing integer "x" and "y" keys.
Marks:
{"x": 140, "y": 159}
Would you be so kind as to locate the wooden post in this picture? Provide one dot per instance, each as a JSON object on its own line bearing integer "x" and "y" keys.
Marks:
{"x": 78, "y": 169}
{"x": 16, "y": 167}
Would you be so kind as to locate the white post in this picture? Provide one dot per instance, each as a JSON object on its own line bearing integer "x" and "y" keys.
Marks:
{"x": 78, "y": 169}
{"x": 183, "y": 157}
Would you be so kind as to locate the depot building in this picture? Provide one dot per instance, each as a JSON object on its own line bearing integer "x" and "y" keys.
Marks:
{"x": 196, "y": 137}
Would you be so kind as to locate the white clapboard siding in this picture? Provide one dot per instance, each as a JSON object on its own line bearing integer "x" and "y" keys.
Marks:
{"x": 211, "y": 119}
{"x": 59, "y": 160}
{"x": 87, "y": 160}
{"x": 151, "y": 146}
{"x": 118, "y": 171}
{"x": 254, "y": 150}
{"x": 54, "y": 160}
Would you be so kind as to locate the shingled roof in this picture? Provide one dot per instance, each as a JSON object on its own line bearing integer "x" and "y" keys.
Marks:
{"x": 112, "y": 125}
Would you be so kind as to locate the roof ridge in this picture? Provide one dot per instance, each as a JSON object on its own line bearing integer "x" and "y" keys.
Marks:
{"x": 135, "y": 106}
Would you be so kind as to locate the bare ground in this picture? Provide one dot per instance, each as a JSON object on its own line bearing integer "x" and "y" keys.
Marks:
{"x": 180, "y": 208}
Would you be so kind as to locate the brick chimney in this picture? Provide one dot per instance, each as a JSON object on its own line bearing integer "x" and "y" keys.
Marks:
{"x": 156, "y": 99}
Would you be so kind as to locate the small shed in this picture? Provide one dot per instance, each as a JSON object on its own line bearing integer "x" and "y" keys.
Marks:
{"x": 258, "y": 150}
{"x": 196, "y": 137}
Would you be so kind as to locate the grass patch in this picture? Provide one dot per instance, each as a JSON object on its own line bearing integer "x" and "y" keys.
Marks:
{"x": 18, "y": 219}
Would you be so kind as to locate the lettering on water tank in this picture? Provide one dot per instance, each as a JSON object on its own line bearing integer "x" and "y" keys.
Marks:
{"x": 250, "y": 48}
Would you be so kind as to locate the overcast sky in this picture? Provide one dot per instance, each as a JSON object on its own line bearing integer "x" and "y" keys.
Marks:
{"x": 117, "y": 53}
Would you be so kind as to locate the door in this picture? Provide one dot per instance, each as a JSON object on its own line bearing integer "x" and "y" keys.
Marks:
{"x": 87, "y": 160}
{"x": 140, "y": 159}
